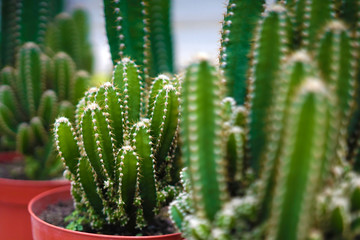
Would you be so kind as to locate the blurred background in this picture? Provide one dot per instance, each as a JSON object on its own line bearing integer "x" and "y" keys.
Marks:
{"x": 196, "y": 25}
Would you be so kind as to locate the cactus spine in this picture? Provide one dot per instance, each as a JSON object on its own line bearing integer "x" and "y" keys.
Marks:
{"x": 120, "y": 145}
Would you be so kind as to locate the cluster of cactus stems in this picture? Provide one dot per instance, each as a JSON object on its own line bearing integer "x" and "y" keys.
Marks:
{"x": 69, "y": 34}
{"x": 119, "y": 153}
{"x": 24, "y": 21}
{"x": 32, "y": 95}
{"x": 140, "y": 29}
{"x": 275, "y": 166}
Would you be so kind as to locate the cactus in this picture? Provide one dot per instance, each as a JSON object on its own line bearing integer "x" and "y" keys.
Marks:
{"x": 69, "y": 34}
{"x": 141, "y": 30}
{"x": 28, "y": 108}
{"x": 24, "y": 21}
{"x": 294, "y": 181}
{"x": 237, "y": 31}
{"x": 120, "y": 152}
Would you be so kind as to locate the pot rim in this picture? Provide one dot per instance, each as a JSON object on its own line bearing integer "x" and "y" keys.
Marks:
{"x": 80, "y": 234}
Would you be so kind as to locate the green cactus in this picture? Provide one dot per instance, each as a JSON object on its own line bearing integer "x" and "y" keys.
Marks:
{"x": 24, "y": 21}
{"x": 69, "y": 34}
{"x": 267, "y": 58}
{"x": 141, "y": 30}
{"x": 302, "y": 86}
{"x": 119, "y": 153}
{"x": 28, "y": 109}
{"x": 238, "y": 28}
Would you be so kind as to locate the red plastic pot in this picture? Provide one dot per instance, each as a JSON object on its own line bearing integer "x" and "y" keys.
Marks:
{"x": 14, "y": 198}
{"x": 44, "y": 231}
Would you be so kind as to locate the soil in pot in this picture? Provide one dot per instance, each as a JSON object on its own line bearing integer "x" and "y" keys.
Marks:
{"x": 56, "y": 214}
{"x": 13, "y": 169}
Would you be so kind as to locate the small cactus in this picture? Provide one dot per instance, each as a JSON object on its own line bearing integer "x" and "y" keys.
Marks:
{"x": 28, "y": 108}
{"x": 120, "y": 152}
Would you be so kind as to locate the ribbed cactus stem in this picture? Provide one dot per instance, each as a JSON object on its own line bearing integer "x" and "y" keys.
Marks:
{"x": 336, "y": 57}
{"x": 31, "y": 77}
{"x": 301, "y": 161}
{"x": 237, "y": 32}
{"x": 127, "y": 78}
{"x": 293, "y": 72}
{"x": 202, "y": 137}
{"x": 316, "y": 14}
{"x": 157, "y": 14}
{"x": 267, "y": 57}
{"x": 64, "y": 75}
{"x": 126, "y": 31}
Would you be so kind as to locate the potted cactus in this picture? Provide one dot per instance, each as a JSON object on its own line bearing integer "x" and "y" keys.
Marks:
{"x": 119, "y": 157}
{"x": 285, "y": 165}
{"x": 34, "y": 89}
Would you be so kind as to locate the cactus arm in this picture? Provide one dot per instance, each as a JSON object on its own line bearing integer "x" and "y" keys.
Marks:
{"x": 48, "y": 107}
{"x": 156, "y": 86}
{"x": 128, "y": 81}
{"x": 129, "y": 181}
{"x": 69, "y": 37}
{"x": 147, "y": 184}
{"x": 301, "y": 162}
{"x": 7, "y": 121}
{"x": 24, "y": 139}
{"x": 159, "y": 25}
{"x": 297, "y": 67}
{"x": 31, "y": 79}
{"x": 88, "y": 183}
{"x": 64, "y": 71}
{"x": 66, "y": 144}
{"x": 108, "y": 100}
{"x": 34, "y": 16}
{"x": 88, "y": 129}
{"x": 337, "y": 68}
{"x": 66, "y": 109}
{"x": 164, "y": 122}
{"x": 202, "y": 138}
{"x": 318, "y": 12}
{"x": 267, "y": 57}
{"x": 8, "y": 77}
{"x": 39, "y": 131}
{"x": 125, "y": 28}
{"x": 81, "y": 82}
{"x": 235, "y": 158}
{"x": 237, "y": 32}
{"x": 10, "y": 41}
{"x": 7, "y": 97}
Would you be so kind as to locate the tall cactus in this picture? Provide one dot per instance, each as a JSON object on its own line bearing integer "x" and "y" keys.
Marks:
{"x": 119, "y": 153}
{"x": 267, "y": 58}
{"x": 141, "y": 30}
{"x": 237, "y": 31}
{"x": 23, "y": 21}
{"x": 69, "y": 34}
{"x": 28, "y": 108}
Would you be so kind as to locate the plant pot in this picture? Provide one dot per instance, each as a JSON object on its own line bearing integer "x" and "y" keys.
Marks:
{"x": 45, "y": 231}
{"x": 14, "y": 198}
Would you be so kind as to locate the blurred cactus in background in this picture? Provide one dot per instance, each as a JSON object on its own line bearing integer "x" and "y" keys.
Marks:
{"x": 24, "y": 21}
{"x": 70, "y": 34}
{"x": 275, "y": 168}
{"x": 141, "y": 29}
{"x": 119, "y": 153}
{"x": 32, "y": 95}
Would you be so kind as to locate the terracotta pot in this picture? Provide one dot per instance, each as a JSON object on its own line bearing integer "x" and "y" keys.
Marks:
{"x": 14, "y": 198}
{"x": 45, "y": 231}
